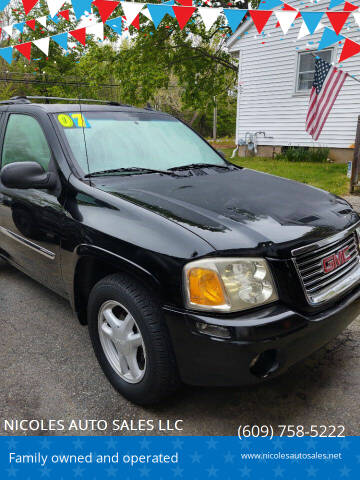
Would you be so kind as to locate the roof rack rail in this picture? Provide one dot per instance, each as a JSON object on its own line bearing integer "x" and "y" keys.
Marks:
{"x": 12, "y": 100}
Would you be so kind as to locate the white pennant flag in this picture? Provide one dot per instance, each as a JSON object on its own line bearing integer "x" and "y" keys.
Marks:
{"x": 286, "y": 19}
{"x": 146, "y": 13}
{"x": 357, "y": 17}
{"x": 209, "y": 15}
{"x": 8, "y": 29}
{"x": 54, "y": 6}
{"x": 42, "y": 20}
{"x": 97, "y": 29}
{"x": 304, "y": 31}
{"x": 131, "y": 10}
{"x": 43, "y": 44}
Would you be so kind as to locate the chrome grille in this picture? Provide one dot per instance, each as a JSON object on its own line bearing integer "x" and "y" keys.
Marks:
{"x": 320, "y": 286}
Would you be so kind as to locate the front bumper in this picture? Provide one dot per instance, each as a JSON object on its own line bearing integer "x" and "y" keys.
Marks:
{"x": 282, "y": 337}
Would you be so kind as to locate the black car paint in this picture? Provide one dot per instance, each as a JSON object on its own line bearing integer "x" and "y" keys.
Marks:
{"x": 151, "y": 225}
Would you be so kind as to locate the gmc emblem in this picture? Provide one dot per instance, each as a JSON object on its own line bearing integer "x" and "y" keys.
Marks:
{"x": 336, "y": 260}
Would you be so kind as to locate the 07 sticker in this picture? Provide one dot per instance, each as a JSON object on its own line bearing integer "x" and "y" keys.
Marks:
{"x": 73, "y": 120}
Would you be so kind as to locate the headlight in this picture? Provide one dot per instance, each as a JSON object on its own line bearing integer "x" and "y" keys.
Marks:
{"x": 228, "y": 284}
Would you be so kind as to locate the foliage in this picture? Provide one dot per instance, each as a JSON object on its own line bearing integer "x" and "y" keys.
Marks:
{"x": 304, "y": 154}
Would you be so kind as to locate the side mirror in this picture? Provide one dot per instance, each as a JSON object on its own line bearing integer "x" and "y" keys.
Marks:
{"x": 221, "y": 153}
{"x": 27, "y": 175}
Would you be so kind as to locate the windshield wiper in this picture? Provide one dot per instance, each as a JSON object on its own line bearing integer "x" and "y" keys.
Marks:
{"x": 198, "y": 165}
{"x": 128, "y": 169}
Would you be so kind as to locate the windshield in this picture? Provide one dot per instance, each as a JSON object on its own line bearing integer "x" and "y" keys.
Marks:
{"x": 119, "y": 140}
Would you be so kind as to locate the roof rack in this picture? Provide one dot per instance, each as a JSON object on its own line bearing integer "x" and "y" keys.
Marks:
{"x": 27, "y": 99}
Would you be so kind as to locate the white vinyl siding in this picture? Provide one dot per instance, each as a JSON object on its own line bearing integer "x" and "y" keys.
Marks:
{"x": 268, "y": 99}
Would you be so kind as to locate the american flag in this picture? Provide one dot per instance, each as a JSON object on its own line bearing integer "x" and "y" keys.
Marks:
{"x": 326, "y": 86}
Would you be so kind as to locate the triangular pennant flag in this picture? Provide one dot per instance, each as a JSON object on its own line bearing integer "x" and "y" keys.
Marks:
{"x": 356, "y": 16}
{"x": 234, "y": 17}
{"x": 6, "y": 54}
{"x": 131, "y": 10}
{"x": 115, "y": 24}
{"x": 286, "y": 18}
{"x": 337, "y": 20}
{"x": 43, "y": 20}
{"x": 8, "y": 29}
{"x": 335, "y": 3}
{"x": 80, "y": 7}
{"x": 54, "y": 19}
{"x": 97, "y": 29}
{"x": 158, "y": 12}
{"x": 328, "y": 38}
{"x": 31, "y": 24}
{"x": 105, "y": 7}
{"x": 136, "y": 22}
{"x": 304, "y": 31}
{"x": 183, "y": 15}
{"x": 65, "y": 14}
{"x": 260, "y": 18}
{"x": 43, "y": 45}
{"x": 209, "y": 15}
{"x": 24, "y": 49}
{"x": 349, "y": 7}
{"x": 79, "y": 34}
{"x": 61, "y": 39}
{"x": 312, "y": 20}
{"x": 146, "y": 13}
{"x": 185, "y": 3}
{"x": 29, "y": 5}
{"x": 269, "y": 4}
{"x": 19, "y": 26}
{"x": 350, "y": 49}
{"x": 54, "y": 6}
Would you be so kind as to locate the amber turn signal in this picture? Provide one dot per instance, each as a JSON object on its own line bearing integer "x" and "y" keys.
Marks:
{"x": 205, "y": 287}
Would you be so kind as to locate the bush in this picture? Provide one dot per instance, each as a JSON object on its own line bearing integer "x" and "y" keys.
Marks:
{"x": 304, "y": 154}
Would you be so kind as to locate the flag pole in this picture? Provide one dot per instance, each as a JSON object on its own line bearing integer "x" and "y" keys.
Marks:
{"x": 351, "y": 76}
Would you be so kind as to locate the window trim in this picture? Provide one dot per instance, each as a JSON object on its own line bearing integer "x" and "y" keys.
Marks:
{"x": 4, "y": 130}
{"x": 305, "y": 92}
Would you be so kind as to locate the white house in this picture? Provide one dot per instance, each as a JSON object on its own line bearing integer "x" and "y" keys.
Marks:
{"x": 274, "y": 82}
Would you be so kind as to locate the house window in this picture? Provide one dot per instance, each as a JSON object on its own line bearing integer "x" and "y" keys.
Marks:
{"x": 306, "y": 68}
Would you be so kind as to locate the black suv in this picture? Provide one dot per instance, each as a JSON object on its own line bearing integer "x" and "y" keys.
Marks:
{"x": 184, "y": 266}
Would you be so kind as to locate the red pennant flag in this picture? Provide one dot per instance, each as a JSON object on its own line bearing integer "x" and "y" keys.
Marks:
{"x": 106, "y": 8}
{"x": 24, "y": 49}
{"x": 79, "y": 35}
{"x": 29, "y": 5}
{"x": 65, "y": 14}
{"x": 350, "y": 49}
{"x": 337, "y": 20}
{"x": 260, "y": 18}
{"x": 183, "y": 15}
{"x": 31, "y": 24}
{"x": 136, "y": 22}
{"x": 185, "y": 3}
{"x": 349, "y": 7}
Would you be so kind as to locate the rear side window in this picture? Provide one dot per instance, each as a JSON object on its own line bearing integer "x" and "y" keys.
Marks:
{"x": 25, "y": 142}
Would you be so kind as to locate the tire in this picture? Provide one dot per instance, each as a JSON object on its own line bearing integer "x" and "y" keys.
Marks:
{"x": 155, "y": 376}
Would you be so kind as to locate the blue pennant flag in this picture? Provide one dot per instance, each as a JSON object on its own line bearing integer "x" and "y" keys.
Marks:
{"x": 335, "y": 3}
{"x": 6, "y": 54}
{"x": 269, "y": 4}
{"x": 61, "y": 39}
{"x": 329, "y": 38}
{"x": 80, "y": 7}
{"x": 115, "y": 24}
{"x": 158, "y": 12}
{"x": 312, "y": 20}
{"x": 54, "y": 19}
{"x": 3, "y": 4}
{"x": 234, "y": 17}
{"x": 19, "y": 26}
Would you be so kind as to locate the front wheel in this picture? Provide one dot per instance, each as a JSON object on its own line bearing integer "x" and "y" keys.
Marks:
{"x": 130, "y": 339}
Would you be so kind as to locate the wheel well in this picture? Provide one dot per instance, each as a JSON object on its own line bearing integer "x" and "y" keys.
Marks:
{"x": 89, "y": 271}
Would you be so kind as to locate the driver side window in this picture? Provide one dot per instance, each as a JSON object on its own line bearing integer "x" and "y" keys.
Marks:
{"x": 25, "y": 142}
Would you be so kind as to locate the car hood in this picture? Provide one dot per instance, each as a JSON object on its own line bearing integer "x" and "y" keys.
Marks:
{"x": 238, "y": 208}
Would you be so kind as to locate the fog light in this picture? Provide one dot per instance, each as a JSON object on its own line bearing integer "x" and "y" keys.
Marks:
{"x": 213, "y": 330}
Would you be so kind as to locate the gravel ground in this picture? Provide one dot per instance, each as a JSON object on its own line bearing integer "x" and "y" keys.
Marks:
{"x": 48, "y": 371}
